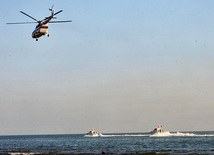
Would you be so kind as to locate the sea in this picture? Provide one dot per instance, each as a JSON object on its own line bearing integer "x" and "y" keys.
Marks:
{"x": 119, "y": 143}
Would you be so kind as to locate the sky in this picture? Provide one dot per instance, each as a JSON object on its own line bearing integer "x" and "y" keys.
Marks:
{"x": 120, "y": 66}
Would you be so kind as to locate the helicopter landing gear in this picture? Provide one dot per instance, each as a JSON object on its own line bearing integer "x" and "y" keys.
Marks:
{"x": 36, "y": 39}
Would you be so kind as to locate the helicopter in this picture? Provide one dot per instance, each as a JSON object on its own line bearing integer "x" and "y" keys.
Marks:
{"x": 42, "y": 27}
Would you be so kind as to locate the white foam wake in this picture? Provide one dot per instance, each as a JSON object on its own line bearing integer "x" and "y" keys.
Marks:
{"x": 126, "y": 135}
{"x": 165, "y": 134}
{"x": 180, "y": 134}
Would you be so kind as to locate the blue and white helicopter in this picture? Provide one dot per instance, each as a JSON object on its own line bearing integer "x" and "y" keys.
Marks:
{"x": 42, "y": 27}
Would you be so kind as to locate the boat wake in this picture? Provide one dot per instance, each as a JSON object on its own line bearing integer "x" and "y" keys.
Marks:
{"x": 180, "y": 134}
{"x": 190, "y": 134}
{"x": 126, "y": 135}
{"x": 166, "y": 134}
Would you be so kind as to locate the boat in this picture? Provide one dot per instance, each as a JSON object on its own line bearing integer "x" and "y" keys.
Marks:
{"x": 93, "y": 133}
{"x": 159, "y": 131}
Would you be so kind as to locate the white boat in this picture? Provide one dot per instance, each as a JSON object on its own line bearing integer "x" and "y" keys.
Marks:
{"x": 93, "y": 133}
{"x": 159, "y": 131}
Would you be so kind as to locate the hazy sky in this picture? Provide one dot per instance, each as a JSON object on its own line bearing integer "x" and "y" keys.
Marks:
{"x": 120, "y": 66}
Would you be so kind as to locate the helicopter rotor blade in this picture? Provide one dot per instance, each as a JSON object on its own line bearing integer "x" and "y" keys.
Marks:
{"x": 60, "y": 21}
{"x": 51, "y": 8}
{"x": 58, "y": 12}
{"x": 29, "y": 16}
{"x": 22, "y": 23}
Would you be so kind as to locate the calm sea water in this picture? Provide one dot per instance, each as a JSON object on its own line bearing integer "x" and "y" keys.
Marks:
{"x": 130, "y": 143}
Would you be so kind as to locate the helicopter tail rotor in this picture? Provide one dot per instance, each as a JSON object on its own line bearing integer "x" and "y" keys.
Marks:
{"x": 51, "y": 9}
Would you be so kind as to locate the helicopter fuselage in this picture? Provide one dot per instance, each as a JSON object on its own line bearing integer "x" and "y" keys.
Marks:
{"x": 40, "y": 30}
